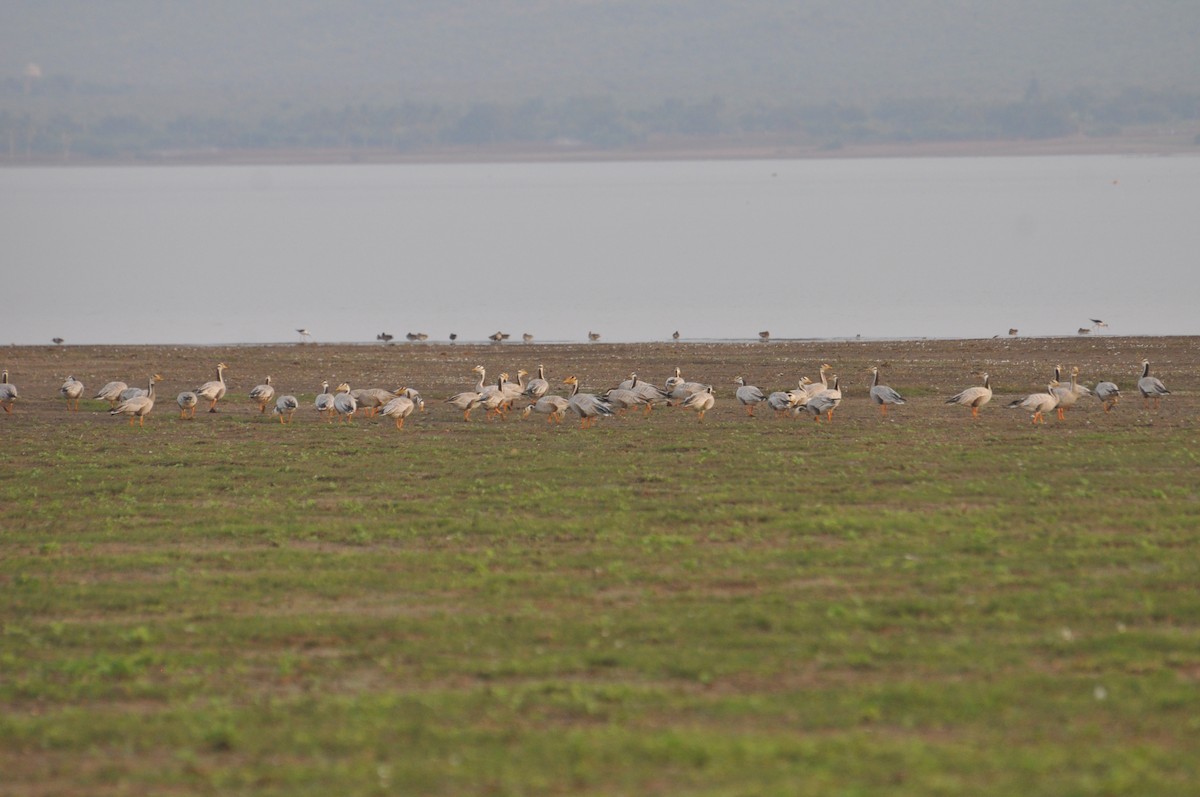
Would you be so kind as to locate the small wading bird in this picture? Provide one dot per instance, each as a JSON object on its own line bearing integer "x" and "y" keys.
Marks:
{"x": 187, "y": 401}
{"x": 262, "y": 395}
{"x": 748, "y": 395}
{"x": 765, "y": 336}
{"x": 71, "y": 390}
{"x": 1098, "y": 324}
{"x": 587, "y": 406}
{"x": 974, "y": 397}
{"x": 1012, "y": 332}
{"x": 214, "y": 391}
{"x": 8, "y": 392}
{"x": 57, "y": 341}
{"x": 138, "y": 406}
{"x": 385, "y": 337}
{"x": 285, "y": 408}
{"x": 527, "y": 338}
{"x": 1150, "y": 387}
{"x": 882, "y": 394}
{"x": 1038, "y": 403}
{"x": 593, "y": 336}
{"x": 675, "y": 335}
{"x": 304, "y": 336}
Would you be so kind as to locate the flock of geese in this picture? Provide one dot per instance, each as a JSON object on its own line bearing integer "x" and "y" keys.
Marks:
{"x": 818, "y": 399}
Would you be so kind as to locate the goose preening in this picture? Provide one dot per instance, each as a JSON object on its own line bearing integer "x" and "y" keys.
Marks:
{"x": 701, "y": 401}
{"x": 678, "y": 389}
{"x": 214, "y": 391}
{"x": 8, "y": 392}
{"x": 412, "y": 395}
{"x": 138, "y": 406}
{"x": 285, "y": 408}
{"x": 553, "y": 407}
{"x": 748, "y": 395}
{"x": 187, "y": 401}
{"x": 398, "y": 409}
{"x": 324, "y": 401}
{"x": 71, "y": 390}
{"x": 882, "y": 394}
{"x": 1150, "y": 387}
{"x": 974, "y": 397}
{"x": 262, "y": 395}
{"x": 1108, "y": 394}
{"x": 111, "y": 393}
{"x": 586, "y": 405}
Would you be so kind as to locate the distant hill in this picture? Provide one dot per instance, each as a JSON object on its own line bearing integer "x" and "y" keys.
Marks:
{"x": 129, "y": 76}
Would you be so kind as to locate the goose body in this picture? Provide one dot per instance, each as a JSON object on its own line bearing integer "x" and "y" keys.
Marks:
{"x": 71, "y": 390}
{"x": 586, "y": 405}
{"x": 8, "y": 392}
{"x": 262, "y": 395}
{"x": 1150, "y": 387}
{"x": 701, "y": 401}
{"x": 285, "y": 408}
{"x": 370, "y": 399}
{"x": 748, "y": 396}
{"x": 138, "y": 406}
{"x": 1067, "y": 395}
{"x": 829, "y": 399}
{"x": 1038, "y": 403}
{"x": 553, "y": 407}
{"x": 882, "y": 394}
{"x": 111, "y": 393}
{"x": 538, "y": 386}
{"x": 974, "y": 397}
{"x": 398, "y": 409}
{"x": 214, "y": 391}
{"x": 187, "y": 401}
{"x": 324, "y": 401}
{"x": 1108, "y": 394}
{"x": 344, "y": 403}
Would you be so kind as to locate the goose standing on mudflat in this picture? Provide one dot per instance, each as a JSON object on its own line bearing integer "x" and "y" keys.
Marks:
{"x": 831, "y": 398}
{"x": 974, "y": 397}
{"x": 285, "y": 408}
{"x": 882, "y": 394}
{"x": 748, "y": 395}
{"x": 111, "y": 393}
{"x": 8, "y": 392}
{"x": 187, "y": 401}
{"x": 214, "y": 391}
{"x": 553, "y": 407}
{"x": 538, "y": 386}
{"x": 138, "y": 406}
{"x": 701, "y": 401}
{"x": 71, "y": 390}
{"x": 469, "y": 399}
{"x": 344, "y": 403}
{"x": 398, "y": 409}
{"x": 1066, "y": 394}
{"x": 262, "y": 395}
{"x": 1109, "y": 394}
{"x": 586, "y": 405}
{"x": 324, "y": 401}
{"x": 1150, "y": 387}
{"x": 1038, "y": 403}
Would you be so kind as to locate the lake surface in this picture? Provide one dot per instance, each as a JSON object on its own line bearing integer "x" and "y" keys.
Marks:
{"x": 949, "y": 247}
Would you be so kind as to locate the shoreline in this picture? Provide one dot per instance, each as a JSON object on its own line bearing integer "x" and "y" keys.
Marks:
{"x": 1149, "y": 143}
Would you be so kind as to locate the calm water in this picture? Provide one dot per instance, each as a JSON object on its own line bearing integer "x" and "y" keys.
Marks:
{"x": 962, "y": 247}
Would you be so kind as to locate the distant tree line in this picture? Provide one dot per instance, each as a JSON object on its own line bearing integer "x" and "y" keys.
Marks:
{"x": 583, "y": 122}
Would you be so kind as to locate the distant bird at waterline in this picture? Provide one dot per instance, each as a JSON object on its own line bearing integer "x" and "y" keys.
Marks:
{"x": 304, "y": 335}
{"x": 71, "y": 390}
{"x": 593, "y": 336}
{"x": 765, "y": 336}
{"x": 57, "y": 341}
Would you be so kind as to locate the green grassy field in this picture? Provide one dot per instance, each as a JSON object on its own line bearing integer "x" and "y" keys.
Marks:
{"x": 919, "y": 606}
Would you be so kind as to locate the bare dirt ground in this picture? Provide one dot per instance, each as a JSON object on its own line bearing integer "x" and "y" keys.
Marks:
{"x": 927, "y": 371}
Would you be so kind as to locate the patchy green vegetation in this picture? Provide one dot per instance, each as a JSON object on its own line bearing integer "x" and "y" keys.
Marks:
{"x": 920, "y": 606}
